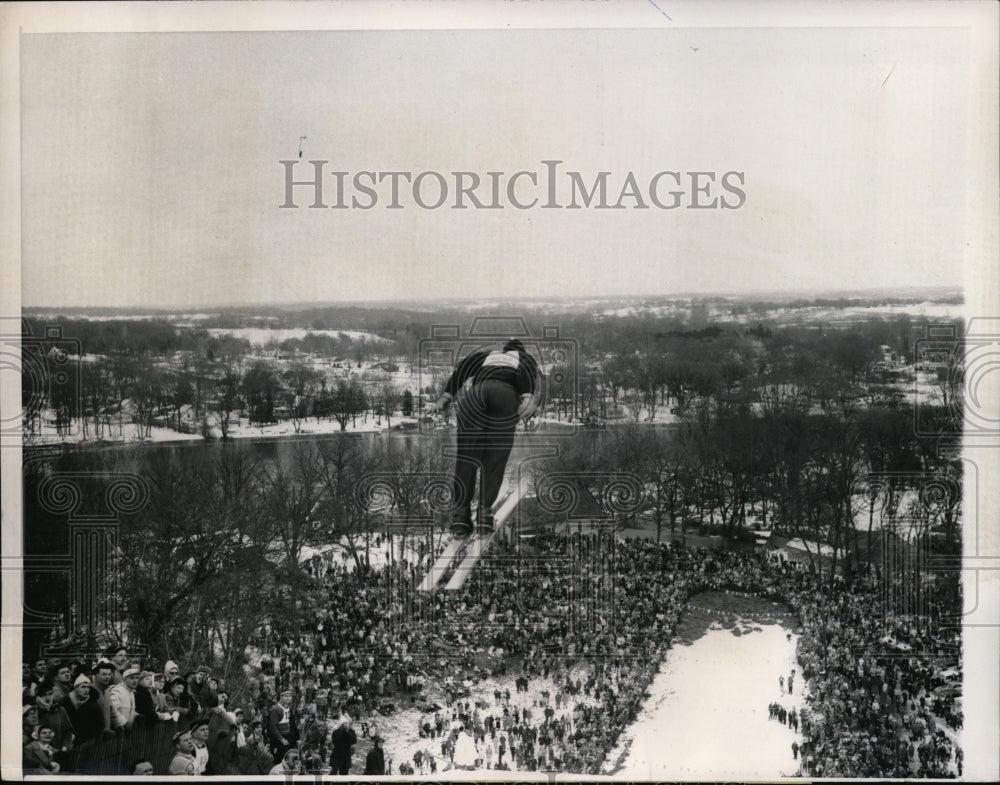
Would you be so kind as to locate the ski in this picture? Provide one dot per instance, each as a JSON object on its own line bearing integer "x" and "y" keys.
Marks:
{"x": 481, "y": 542}
{"x": 452, "y": 552}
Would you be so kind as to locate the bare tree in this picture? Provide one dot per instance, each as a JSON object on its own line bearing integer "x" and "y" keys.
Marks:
{"x": 345, "y": 522}
{"x": 390, "y": 399}
{"x": 347, "y": 402}
{"x": 182, "y": 393}
{"x": 148, "y": 390}
{"x": 228, "y": 393}
{"x": 183, "y": 545}
{"x": 292, "y": 499}
{"x": 664, "y": 464}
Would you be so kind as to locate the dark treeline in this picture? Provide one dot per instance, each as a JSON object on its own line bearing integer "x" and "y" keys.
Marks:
{"x": 843, "y": 481}
{"x": 397, "y": 321}
{"x": 210, "y": 520}
{"x": 857, "y": 484}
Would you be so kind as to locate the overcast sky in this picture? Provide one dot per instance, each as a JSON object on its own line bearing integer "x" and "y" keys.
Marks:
{"x": 151, "y": 174}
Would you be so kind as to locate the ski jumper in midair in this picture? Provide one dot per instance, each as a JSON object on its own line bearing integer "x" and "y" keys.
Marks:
{"x": 504, "y": 386}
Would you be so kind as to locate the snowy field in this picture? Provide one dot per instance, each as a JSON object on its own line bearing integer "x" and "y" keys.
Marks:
{"x": 927, "y": 309}
{"x": 239, "y": 428}
{"x": 128, "y": 433}
{"x": 262, "y": 336}
{"x": 707, "y": 714}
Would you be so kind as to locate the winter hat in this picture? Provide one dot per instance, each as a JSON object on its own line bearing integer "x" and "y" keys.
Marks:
{"x": 131, "y": 671}
{"x": 82, "y": 679}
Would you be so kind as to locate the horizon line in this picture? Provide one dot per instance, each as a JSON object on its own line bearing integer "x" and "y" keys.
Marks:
{"x": 400, "y": 302}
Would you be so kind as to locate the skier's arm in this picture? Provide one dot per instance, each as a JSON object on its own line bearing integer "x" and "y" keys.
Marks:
{"x": 463, "y": 371}
{"x": 441, "y": 403}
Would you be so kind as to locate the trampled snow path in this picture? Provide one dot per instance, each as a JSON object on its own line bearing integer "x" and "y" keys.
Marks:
{"x": 707, "y": 714}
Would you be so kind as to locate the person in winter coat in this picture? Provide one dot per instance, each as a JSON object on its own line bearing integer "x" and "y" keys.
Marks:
{"x": 84, "y": 713}
{"x": 171, "y": 671}
{"x": 255, "y": 757}
{"x": 222, "y": 735}
{"x": 200, "y": 689}
{"x": 54, "y": 716}
{"x": 280, "y": 726}
{"x": 375, "y": 759}
{"x": 183, "y": 763}
{"x": 343, "y": 740}
{"x": 159, "y": 696}
{"x": 178, "y": 701}
{"x": 40, "y": 755}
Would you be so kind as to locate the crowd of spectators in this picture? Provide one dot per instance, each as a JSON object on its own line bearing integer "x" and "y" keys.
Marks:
{"x": 576, "y": 624}
{"x": 89, "y": 714}
{"x": 878, "y": 698}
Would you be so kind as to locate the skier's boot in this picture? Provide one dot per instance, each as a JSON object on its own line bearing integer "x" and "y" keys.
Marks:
{"x": 461, "y": 524}
{"x": 484, "y": 522}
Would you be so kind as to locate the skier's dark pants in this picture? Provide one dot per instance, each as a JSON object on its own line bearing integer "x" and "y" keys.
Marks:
{"x": 487, "y": 418}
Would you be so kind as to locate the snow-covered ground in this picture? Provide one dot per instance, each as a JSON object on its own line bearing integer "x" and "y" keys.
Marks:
{"x": 262, "y": 336}
{"x": 707, "y": 714}
{"x": 128, "y": 433}
{"x": 402, "y": 738}
{"x": 926, "y": 309}
{"x": 310, "y": 425}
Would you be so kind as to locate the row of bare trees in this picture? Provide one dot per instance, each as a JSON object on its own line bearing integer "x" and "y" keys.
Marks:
{"x": 829, "y": 477}
{"x": 199, "y": 395}
{"x": 217, "y": 549}
{"x": 215, "y": 553}
{"x": 721, "y": 368}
